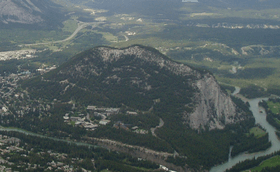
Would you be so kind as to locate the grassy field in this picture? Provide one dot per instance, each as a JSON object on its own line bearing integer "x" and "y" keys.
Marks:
{"x": 69, "y": 25}
{"x": 20, "y": 36}
{"x": 274, "y": 107}
{"x": 272, "y": 162}
{"x": 108, "y": 36}
{"x": 192, "y": 13}
{"x": 216, "y": 49}
{"x": 215, "y": 56}
{"x": 257, "y": 132}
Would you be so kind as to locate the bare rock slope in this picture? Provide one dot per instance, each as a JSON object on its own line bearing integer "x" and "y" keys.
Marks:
{"x": 215, "y": 109}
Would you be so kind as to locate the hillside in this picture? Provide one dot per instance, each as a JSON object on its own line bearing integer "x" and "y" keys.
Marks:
{"x": 242, "y": 4}
{"x": 29, "y": 12}
{"x": 135, "y": 98}
{"x": 136, "y": 77}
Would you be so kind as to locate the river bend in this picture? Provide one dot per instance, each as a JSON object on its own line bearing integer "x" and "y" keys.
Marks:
{"x": 260, "y": 119}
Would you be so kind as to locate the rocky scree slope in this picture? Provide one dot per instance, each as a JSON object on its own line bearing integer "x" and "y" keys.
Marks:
{"x": 143, "y": 79}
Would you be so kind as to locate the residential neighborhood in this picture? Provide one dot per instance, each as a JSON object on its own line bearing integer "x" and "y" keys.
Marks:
{"x": 12, "y": 148}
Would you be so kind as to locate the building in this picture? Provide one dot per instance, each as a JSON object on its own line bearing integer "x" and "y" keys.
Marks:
{"x": 131, "y": 113}
{"x": 104, "y": 122}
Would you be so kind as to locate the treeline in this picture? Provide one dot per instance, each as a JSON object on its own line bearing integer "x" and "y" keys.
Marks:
{"x": 253, "y": 73}
{"x": 117, "y": 166}
{"x": 144, "y": 121}
{"x": 253, "y": 91}
{"x": 145, "y": 140}
{"x": 206, "y": 148}
{"x": 227, "y": 87}
{"x": 271, "y": 169}
{"x": 99, "y": 90}
{"x": 251, "y": 144}
{"x": 235, "y": 38}
{"x": 104, "y": 159}
{"x": 38, "y": 143}
{"x": 198, "y": 54}
{"x": 271, "y": 118}
{"x": 247, "y": 164}
{"x": 245, "y": 107}
{"x": 52, "y": 125}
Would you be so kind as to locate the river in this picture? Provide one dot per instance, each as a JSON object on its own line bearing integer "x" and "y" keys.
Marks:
{"x": 260, "y": 119}
{"x": 42, "y": 136}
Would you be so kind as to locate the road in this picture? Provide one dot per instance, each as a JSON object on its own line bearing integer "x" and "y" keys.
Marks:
{"x": 126, "y": 38}
{"x": 81, "y": 25}
{"x": 161, "y": 123}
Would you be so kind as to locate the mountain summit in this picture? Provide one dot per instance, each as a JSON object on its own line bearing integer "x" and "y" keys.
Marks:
{"x": 143, "y": 79}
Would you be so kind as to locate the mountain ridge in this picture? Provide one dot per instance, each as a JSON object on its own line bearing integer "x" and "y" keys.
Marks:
{"x": 30, "y": 12}
{"x": 111, "y": 70}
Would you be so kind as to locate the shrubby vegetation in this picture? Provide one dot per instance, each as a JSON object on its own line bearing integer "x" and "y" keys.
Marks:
{"x": 253, "y": 91}
{"x": 203, "y": 148}
{"x": 250, "y": 163}
{"x": 272, "y": 118}
{"x": 208, "y": 147}
{"x": 235, "y": 38}
{"x": 271, "y": 169}
{"x": 251, "y": 144}
{"x": 104, "y": 159}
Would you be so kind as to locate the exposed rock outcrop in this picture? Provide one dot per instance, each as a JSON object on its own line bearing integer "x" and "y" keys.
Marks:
{"x": 136, "y": 76}
{"x": 261, "y": 50}
{"x": 215, "y": 109}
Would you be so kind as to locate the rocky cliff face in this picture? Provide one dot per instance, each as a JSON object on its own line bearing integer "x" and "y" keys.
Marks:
{"x": 143, "y": 79}
{"x": 214, "y": 109}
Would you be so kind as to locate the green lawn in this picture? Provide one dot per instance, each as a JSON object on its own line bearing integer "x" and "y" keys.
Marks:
{"x": 272, "y": 162}
{"x": 274, "y": 107}
{"x": 257, "y": 132}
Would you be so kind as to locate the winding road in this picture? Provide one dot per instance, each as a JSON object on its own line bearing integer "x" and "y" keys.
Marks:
{"x": 161, "y": 123}
{"x": 81, "y": 25}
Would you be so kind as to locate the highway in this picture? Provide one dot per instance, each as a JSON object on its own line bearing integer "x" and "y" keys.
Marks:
{"x": 81, "y": 25}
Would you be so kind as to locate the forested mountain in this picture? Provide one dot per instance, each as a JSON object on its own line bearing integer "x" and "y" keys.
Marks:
{"x": 136, "y": 77}
{"x": 136, "y": 100}
{"x": 162, "y": 105}
{"x": 29, "y": 12}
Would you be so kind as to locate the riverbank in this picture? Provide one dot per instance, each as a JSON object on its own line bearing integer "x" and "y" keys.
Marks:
{"x": 260, "y": 119}
{"x": 42, "y": 136}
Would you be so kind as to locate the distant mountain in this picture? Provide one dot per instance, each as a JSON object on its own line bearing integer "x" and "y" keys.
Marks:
{"x": 135, "y": 77}
{"x": 243, "y": 4}
{"x": 29, "y": 12}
